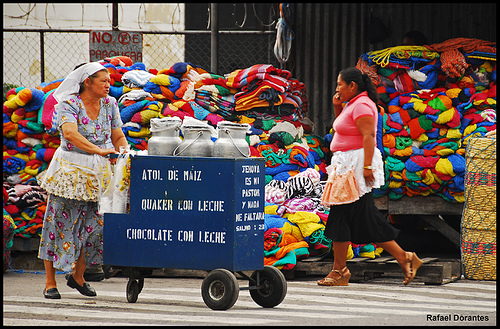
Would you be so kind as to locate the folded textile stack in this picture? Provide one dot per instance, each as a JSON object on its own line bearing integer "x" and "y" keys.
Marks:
{"x": 294, "y": 214}
{"x": 268, "y": 99}
{"x": 137, "y": 106}
{"x": 26, "y": 205}
{"x": 8, "y": 233}
{"x": 433, "y": 98}
{"x": 27, "y": 147}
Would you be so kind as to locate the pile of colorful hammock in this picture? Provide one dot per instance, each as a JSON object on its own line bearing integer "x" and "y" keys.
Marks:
{"x": 27, "y": 151}
{"x": 433, "y": 99}
{"x": 273, "y": 103}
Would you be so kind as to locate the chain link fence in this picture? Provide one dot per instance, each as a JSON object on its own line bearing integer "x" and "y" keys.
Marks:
{"x": 33, "y": 57}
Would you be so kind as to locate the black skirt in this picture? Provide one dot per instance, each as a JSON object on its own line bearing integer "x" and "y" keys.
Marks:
{"x": 359, "y": 222}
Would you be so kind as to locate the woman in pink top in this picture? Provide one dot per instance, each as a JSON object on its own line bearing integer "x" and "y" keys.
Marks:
{"x": 356, "y": 168}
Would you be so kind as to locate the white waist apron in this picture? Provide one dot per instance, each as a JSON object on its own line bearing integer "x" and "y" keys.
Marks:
{"x": 346, "y": 183}
{"x": 77, "y": 176}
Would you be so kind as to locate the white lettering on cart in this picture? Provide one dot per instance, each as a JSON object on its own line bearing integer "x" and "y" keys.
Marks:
{"x": 173, "y": 175}
{"x": 253, "y": 204}
{"x": 242, "y": 228}
{"x": 185, "y": 236}
{"x": 250, "y": 192}
{"x": 250, "y": 169}
{"x": 239, "y": 217}
{"x": 185, "y": 205}
{"x": 211, "y": 206}
{"x": 248, "y": 216}
{"x": 250, "y": 204}
{"x": 156, "y": 204}
{"x": 151, "y": 174}
{"x": 149, "y": 234}
{"x": 248, "y": 181}
{"x": 212, "y": 237}
{"x": 192, "y": 175}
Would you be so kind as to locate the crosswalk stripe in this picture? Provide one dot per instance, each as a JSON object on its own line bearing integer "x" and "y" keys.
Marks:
{"x": 304, "y": 299}
{"x": 45, "y": 322}
{"x": 244, "y": 306}
{"x": 407, "y": 297}
{"x": 129, "y": 315}
{"x": 328, "y": 297}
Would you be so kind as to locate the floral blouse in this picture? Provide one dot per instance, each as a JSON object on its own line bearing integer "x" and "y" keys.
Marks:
{"x": 96, "y": 131}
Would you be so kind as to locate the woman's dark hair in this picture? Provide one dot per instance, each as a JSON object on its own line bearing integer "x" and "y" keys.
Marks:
{"x": 362, "y": 80}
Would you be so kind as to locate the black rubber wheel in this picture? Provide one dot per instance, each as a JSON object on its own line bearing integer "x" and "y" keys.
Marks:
{"x": 271, "y": 287}
{"x": 132, "y": 291}
{"x": 220, "y": 289}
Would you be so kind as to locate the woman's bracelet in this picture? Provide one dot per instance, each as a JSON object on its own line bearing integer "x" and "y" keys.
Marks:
{"x": 368, "y": 167}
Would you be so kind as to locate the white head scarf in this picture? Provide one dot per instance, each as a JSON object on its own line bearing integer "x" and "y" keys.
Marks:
{"x": 71, "y": 84}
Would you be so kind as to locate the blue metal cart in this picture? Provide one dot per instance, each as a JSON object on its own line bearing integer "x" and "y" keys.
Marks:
{"x": 195, "y": 213}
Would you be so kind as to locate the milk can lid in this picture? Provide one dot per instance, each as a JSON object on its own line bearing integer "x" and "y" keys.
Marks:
{"x": 233, "y": 125}
{"x": 159, "y": 124}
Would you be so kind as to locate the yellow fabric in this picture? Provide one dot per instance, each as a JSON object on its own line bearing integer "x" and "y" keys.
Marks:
{"x": 350, "y": 253}
{"x": 161, "y": 80}
{"x": 444, "y": 166}
{"x": 141, "y": 133}
{"x": 445, "y": 116}
{"x": 271, "y": 209}
{"x": 307, "y": 222}
{"x": 454, "y": 133}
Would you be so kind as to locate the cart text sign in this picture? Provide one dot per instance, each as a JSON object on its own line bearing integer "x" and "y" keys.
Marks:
{"x": 115, "y": 43}
{"x": 191, "y": 213}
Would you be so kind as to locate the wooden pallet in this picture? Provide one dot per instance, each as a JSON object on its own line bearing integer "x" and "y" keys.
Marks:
{"x": 433, "y": 271}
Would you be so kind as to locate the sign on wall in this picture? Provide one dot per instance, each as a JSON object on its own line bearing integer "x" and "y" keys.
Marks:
{"x": 115, "y": 43}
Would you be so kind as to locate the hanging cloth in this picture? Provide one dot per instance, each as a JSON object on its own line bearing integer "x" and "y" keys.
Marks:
{"x": 284, "y": 34}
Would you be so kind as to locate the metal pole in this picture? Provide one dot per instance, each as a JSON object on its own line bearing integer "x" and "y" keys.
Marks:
{"x": 115, "y": 17}
{"x": 214, "y": 38}
{"x": 42, "y": 57}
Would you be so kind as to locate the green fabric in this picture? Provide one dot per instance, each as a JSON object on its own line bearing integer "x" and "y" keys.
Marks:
{"x": 411, "y": 176}
{"x": 425, "y": 123}
{"x": 34, "y": 126}
{"x": 403, "y": 142}
{"x": 285, "y": 137}
{"x": 268, "y": 124}
{"x": 437, "y": 104}
{"x": 394, "y": 164}
{"x": 318, "y": 236}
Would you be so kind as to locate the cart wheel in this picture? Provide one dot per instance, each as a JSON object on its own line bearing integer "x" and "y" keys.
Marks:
{"x": 220, "y": 289}
{"x": 271, "y": 287}
{"x": 132, "y": 291}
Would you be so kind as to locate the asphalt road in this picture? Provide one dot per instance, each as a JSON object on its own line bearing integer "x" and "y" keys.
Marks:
{"x": 178, "y": 301}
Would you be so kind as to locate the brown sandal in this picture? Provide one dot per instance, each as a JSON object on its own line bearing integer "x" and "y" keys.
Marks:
{"x": 414, "y": 263}
{"x": 344, "y": 273}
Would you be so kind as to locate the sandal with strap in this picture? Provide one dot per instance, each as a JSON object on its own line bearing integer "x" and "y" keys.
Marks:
{"x": 344, "y": 273}
{"x": 414, "y": 263}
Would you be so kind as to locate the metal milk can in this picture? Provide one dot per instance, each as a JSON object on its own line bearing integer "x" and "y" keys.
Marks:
{"x": 231, "y": 142}
{"x": 196, "y": 143}
{"x": 165, "y": 135}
